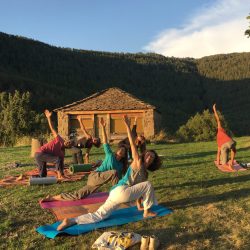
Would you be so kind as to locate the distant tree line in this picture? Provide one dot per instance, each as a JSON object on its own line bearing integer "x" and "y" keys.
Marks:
{"x": 179, "y": 88}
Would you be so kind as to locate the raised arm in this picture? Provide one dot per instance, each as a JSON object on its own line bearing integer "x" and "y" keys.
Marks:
{"x": 216, "y": 116}
{"x": 86, "y": 134}
{"x": 48, "y": 115}
{"x": 135, "y": 154}
{"x": 104, "y": 134}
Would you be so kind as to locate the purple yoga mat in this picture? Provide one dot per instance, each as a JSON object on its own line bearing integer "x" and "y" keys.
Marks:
{"x": 91, "y": 199}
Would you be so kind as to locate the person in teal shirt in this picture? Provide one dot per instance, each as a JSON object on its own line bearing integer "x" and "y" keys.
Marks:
{"x": 111, "y": 170}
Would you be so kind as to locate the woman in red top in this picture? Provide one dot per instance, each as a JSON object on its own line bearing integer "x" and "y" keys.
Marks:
{"x": 52, "y": 152}
{"x": 225, "y": 144}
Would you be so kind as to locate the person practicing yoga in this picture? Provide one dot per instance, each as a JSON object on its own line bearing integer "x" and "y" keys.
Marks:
{"x": 140, "y": 141}
{"x": 87, "y": 141}
{"x": 225, "y": 144}
{"x": 52, "y": 152}
{"x": 111, "y": 170}
{"x": 134, "y": 186}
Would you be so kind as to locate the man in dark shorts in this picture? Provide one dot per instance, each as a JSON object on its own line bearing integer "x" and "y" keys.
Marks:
{"x": 87, "y": 141}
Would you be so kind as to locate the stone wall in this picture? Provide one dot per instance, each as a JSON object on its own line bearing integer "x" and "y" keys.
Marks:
{"x": 149, "y": 128}
{"x": 63, "y": 124}
{"x": 157, "y": 121}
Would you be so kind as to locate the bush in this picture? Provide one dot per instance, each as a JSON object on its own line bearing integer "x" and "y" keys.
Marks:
{"x": 161, "y": 137}
{"x": 17, "y": 119}
{"x": 201, "y": 127}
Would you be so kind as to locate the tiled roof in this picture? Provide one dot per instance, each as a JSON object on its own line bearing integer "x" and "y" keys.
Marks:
{"x": 108, "y": 99}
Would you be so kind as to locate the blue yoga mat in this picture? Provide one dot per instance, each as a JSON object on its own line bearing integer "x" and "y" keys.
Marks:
{"x": 118, "y": 217}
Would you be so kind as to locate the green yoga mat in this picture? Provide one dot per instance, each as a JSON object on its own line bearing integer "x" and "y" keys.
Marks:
{"x": 75, "y": 168}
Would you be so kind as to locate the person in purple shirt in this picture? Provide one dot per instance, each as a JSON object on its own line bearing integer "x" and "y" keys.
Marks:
{"x": 52, "y": 152}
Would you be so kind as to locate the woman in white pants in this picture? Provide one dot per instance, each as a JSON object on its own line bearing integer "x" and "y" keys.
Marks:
{"x": 133, "y": 186}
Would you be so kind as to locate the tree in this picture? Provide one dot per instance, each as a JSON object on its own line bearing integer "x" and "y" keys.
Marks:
{"x": 201, "y": 127}
{"x": 247, "y": 32}
{"x": 16, "y": 117}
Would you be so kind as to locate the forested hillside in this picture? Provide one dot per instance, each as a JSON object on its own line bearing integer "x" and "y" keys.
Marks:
{"x": 178, "y": 87}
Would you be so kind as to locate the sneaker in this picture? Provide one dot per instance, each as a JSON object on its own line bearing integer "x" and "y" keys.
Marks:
{"x": 154, "y": 243}
{"x": 144, "y": 242}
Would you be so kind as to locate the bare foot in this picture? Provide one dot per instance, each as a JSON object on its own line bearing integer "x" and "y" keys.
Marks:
{"x": 65, "y": 223}
{"x": 51, "y": 198}
{"x": 148, "y": 213}
{"x": 62, "y": 177}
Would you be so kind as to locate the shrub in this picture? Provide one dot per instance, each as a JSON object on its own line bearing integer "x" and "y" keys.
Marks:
{"x": 201, "y": 127}
{"x": 17, "y": 119}
{"x": 161, "y": 137}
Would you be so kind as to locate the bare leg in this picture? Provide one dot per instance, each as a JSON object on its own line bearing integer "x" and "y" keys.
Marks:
{"x": 148, "y": 213}
{"x": 66, "y": 223}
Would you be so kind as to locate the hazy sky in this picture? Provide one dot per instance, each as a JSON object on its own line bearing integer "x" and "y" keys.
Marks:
{"x": 180, "y": 28}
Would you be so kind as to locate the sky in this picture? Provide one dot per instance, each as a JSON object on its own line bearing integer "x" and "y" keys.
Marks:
{"x": 179, "y": 28}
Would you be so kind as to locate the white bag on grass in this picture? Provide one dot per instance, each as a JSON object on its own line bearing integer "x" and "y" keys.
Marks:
{"x": 115, "y": 240}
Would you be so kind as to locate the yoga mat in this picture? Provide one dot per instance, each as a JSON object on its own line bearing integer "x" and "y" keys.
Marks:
{"x": 24, "y": 178}
{"x": 80, "y": 168}
{"x": 91, "y": 199}
{"x": 71, "y": 209}
{"x": 117, "y": 218}
{"x": 225, "y": 168}
{"x": 42, "y": 180}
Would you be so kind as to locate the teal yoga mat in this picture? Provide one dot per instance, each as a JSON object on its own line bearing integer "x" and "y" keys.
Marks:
{"x": 118, "y": 217}
{"x": 74, "y": 168}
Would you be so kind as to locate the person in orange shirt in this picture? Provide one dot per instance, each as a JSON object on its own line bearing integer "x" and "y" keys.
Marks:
{"x": 225, "y": 144}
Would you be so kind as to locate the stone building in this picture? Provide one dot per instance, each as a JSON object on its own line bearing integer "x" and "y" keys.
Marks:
{"x": 110, "y": 104}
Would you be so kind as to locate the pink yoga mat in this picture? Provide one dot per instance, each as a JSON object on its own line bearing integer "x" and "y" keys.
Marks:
{"x": 91, "y": 199}
{"x": 225, "y": 168}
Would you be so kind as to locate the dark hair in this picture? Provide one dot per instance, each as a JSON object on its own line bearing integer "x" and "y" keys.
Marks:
{"x": 124, "y": 160}
{"x": 98, "y": 143}
{"x": 156, "y": 164}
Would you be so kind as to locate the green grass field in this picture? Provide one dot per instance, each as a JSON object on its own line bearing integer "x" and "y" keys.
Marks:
{"x": 211, "y": 208}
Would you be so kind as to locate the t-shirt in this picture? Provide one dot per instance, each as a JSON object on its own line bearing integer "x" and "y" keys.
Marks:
{"x": 132, "y": 177}
{"x": 83, "y": 142}
{"x": 54, "y": 147}
{"x": 222, "y": 137}
{"x": 110, "y": 162}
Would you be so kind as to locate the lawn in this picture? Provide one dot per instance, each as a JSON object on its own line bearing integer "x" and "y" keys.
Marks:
{"x": 211, "y": 208}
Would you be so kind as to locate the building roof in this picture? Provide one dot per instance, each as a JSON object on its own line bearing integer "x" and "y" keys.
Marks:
{"x": 106, "y": 100}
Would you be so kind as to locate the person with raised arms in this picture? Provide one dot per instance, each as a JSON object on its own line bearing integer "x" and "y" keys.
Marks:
{"x": 225, "y": 144}
{"x": 52, "y": 152}
{"x": 86, "y": 142}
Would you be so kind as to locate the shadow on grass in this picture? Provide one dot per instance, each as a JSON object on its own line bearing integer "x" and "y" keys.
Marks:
{"x": 193, "y": 155}
{"x": 188, "y": 164}
{"x": 209, "y": 183}
{"x": 207, "y": 199}
{"x": 171, "y": 236}
{"x": 243, "y": 149}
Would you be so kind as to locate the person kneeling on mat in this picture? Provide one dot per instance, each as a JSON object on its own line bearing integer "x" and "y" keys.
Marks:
{"x": 111, "y": 170}
{"x": 52, "y": 152}
{"x": 134, "y": 186}
{"x": 225, "y": 144}
{"x": 87, "y": 141}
